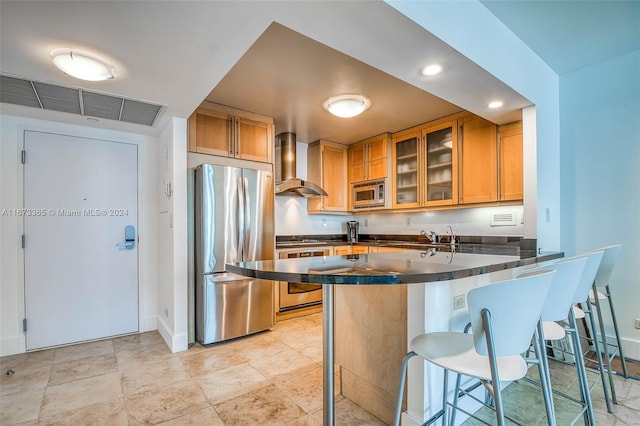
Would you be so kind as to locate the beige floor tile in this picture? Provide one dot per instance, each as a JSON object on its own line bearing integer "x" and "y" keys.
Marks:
{"x": 212, "y": 359}
{"x": 207, "y": 416}
{"x": 70, "y": 371}
{"x": 306, "y": 420}
{"x": 137, "y": 340}
{"x": 304, "y": 387}
{"x": 255, "y": 345}
{"x": 223, "y": 385}
{"x": 307, "y": 335}
{"x": 24, "y": 379}
{"x": 134, "y": 356}
{"x": 313, "y": 351}
{"x": 112, "y": 413}
{"x": 27, "y": 360}
{"x": 20, "y": 407}
{"x": 81, "y": 393}
{"x": 281, "y": 360}
{"x": 265, "y": 406}
{"x": 83, "y": 350}
{"x": 154, "y": 373}
{"x": 165, "y": 403}
{"x": 349, "y": 414}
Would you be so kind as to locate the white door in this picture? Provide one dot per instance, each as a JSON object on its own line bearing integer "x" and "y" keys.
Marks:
{"x": 81, "y": 282}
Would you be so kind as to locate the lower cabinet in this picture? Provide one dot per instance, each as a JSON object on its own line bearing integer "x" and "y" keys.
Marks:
{"x": 370, "y": 343}
{"x": 356, "y": 249}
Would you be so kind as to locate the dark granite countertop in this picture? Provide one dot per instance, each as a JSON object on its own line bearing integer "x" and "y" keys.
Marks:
{"x": 401, "y": 267}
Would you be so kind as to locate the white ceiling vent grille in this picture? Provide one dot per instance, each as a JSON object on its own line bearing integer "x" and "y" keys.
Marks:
{"x": 503, "y": 219}
{"x": 47, "y": 96}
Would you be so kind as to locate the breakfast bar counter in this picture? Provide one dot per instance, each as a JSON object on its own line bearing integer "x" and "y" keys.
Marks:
{"x": 434, "y": 301}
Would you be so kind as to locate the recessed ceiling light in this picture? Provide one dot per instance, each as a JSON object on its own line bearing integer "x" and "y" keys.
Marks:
{"x": 432, "y": 69}
{"x": 346, "y": 106}
{"x": 495, "y": 104}
{"x": 82, "y": 65}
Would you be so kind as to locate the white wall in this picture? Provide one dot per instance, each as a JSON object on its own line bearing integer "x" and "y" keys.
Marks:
{"x": 11, "y": 257}
{"x": 600, "y": 124}
{"x": 172, "y": 249}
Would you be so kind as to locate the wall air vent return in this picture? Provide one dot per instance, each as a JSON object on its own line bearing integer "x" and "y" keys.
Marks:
{"x": 503, "y": 219}
{"x": 47, "y": 96}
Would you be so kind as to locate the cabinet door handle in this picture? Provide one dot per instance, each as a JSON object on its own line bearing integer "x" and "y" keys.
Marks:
{"x": 237, "y": 120}
{"x": 231, "y": 136}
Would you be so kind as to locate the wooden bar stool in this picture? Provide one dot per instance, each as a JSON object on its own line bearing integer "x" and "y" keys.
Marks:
{"x": 504, "y": 317}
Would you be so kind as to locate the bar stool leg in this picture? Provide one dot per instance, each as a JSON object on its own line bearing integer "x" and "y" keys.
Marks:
{"x": 615, "y": 327}
{"x": 605, "y": 345}
{"x": 596, "y": 345}
{"x": 582, "y": 372}
{"x": 403, "y": 377}
{"x": 543, "y": 371}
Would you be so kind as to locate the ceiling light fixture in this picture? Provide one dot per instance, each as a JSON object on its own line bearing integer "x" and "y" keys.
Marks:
{"x": 431, "y": 70}
{"x": 346, "y": 106}
{"x": 495, "y": 104}
{"x": 82, "y": 65}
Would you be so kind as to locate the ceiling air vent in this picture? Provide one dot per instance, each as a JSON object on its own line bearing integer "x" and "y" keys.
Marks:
{"x": 47, "y": 96}
{"x": 503, "y": 219}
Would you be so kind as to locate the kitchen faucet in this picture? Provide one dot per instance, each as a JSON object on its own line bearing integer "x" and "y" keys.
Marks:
{"x": 452, "y": 237}
{"x": 432, "y": 236}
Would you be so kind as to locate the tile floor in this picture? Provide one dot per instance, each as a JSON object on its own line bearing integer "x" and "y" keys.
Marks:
{"x": 271, "y": 378}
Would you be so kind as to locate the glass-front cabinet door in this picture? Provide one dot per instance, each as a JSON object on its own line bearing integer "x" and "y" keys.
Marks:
{"x": 406, "y": 170}
{"x": 441, "y": 164}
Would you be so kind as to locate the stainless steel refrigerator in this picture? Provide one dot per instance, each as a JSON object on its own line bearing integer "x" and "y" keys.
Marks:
{"x": 234, "y": 222}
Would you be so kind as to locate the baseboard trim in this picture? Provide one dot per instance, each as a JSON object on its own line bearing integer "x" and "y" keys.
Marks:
{"x": 176, "y": 343}
{"x": 149, "y": 323}
{"x": 12, "y": 345}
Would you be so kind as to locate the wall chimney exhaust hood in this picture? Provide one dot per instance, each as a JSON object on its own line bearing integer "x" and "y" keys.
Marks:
{"x": 290, "y": 185}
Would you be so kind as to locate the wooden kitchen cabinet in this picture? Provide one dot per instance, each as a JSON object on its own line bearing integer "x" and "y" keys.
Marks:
{"x": 327, "y": 167}
{"x": 368, "y": 159}
{"x": 349, "y": 249}
{"x": 511, "y": 161}
{"x": 219, "y": 130}
{"x": 425, "y": 165}
{"x": 478, "y": 160}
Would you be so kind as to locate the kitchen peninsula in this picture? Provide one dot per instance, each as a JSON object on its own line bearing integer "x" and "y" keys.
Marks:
{"x": 438, "y": 279}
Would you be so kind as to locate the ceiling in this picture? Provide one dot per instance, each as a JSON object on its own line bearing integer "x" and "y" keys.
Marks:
{"x": 283, "y": 59}
{"x": 569, "y": 35}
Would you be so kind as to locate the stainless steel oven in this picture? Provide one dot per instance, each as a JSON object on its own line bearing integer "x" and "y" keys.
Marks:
{"x": 297, "y": 295}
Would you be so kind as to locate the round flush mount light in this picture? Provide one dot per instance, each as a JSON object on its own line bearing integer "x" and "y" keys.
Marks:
{"x": 346, "y": 106}
{"x": 495, "y": 104}
{"x": 430, "y": 70}
{"x": 82, "y": 65}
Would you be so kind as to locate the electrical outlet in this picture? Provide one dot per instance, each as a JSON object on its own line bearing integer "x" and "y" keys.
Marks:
{"x": 548, "y": 214}
{"x": 166, "y": 312}
{"x": 366, "y": 223}
{"x": 408, "y": 220}
{"x": 459, "y": 302}
{"x": 637, "y": 322}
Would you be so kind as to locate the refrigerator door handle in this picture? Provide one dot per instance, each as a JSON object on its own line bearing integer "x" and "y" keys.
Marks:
{"x": 241, "y": 219}
{"x": 247, "y": 217}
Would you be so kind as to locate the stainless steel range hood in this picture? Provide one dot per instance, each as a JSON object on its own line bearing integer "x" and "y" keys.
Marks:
{"x": 290, "y": 185}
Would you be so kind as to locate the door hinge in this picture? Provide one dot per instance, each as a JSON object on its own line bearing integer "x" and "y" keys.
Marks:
{"x": 23, "y": 240}
{"x": 23, "y": 156}
{"x": 24, "y": 325}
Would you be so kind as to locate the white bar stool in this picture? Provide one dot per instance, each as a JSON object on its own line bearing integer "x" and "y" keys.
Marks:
{"x": 504, "y": 317}
{"x": 570, "y": 285}
{"x": 600, "y": 287}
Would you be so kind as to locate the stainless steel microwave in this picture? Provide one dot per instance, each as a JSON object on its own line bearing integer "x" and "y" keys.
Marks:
{"x": 367, "y": 195}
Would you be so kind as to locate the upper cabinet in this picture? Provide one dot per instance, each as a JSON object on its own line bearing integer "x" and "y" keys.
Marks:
{"x": 327, "y": 167}
{"x": 478, "y": 159}
{"x": 511, "y": 161}
{"x": 219, "y": 130}
{"x": 368, "y": 159}
{"x": 425, "y": 166}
